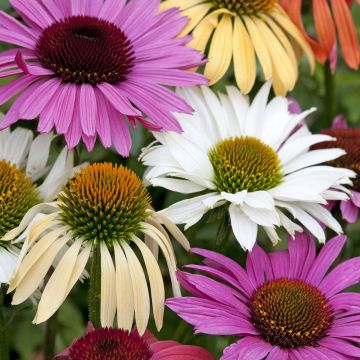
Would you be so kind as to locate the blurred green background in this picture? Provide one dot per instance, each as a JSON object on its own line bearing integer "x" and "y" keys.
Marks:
{"x": 26, "y": 340}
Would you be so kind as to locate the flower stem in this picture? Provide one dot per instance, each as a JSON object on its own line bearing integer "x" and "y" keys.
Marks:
{"x": 223, "y": 233}
{"x": 330, "y": 95}
{"x": 50, "y": 337}
{"x": 4, "y": 347}
{"x": 95, "y": 288}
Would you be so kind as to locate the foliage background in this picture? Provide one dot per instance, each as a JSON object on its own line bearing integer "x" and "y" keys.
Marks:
{"x": 26, "y": 339}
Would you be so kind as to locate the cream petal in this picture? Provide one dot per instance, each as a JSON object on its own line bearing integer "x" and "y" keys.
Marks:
{"x": 108, "y": 287}
{"x": 141, "y": 292}
{"x": 155, "y": 280}
{"x": 55, "y": 291}
{"x": 124, "y": 290}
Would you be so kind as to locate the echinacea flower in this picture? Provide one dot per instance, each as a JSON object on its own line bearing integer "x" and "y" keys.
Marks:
{"x": 101, "y": 212}
{"x": 242, "y": 32}
{"x": 349, "y": 140}
{"x": 331, "y": 18}
{"x": 111, "y": 343}
{"x": 285, "y": 305}
{"x": 23, "y": 166}
{"x": 88, "y": 67}
{"x": 254, "y": 159}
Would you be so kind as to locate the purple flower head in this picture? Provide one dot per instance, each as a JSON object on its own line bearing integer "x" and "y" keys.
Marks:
{"x": 348, "y": 139}
{"x": 285, "y": 305}
{"x": 91, "y": 68}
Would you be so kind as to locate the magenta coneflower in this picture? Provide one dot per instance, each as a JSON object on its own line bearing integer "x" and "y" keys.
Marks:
{"x": 283, "y": 306}
{"x": 111, "y": 344}
{"x": 348, "y": 139}
{"x": 86, "y": 67}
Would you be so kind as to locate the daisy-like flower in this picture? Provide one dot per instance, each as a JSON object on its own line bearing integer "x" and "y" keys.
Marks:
{"x": 254, "y": 158}
{"x": 349, "y": 140}
{"x": 331, "y": 18}
{"x": 245, "y": 31}
{"x": 99, "y": 214}
{"x": 88, "y": 66}
{"x": 23, "y": 165}
{"x": 110, "y": 343}
{"x": 284, "y": 306}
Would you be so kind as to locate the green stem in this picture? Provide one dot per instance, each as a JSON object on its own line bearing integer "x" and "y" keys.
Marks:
{"x": 223, "y": 233}
{"x": 4, "y": 347}
{"x": 50, "y": 337}
{"x": 330, "y": 95}
{"x": 95, "y": 288}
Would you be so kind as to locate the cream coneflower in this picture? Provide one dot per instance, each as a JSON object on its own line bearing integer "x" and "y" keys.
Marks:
{"x": 244, "y": 31}
{"x": 23, "y": 163}
{"x": 100, "y": 214}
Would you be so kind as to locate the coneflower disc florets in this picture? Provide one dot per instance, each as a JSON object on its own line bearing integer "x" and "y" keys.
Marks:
{"x": 104, "y": 202}
{"x": 290, "y": 313}
{"x": 245, "y": 163}
{"x": 85, "y": 49}
{"x": 246, "y": 7}
{"x": 17, "y": 195}
{"x": 110, "y": 344}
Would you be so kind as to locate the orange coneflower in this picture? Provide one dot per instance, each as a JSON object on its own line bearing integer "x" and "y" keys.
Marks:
{"x": 330, "y": 17}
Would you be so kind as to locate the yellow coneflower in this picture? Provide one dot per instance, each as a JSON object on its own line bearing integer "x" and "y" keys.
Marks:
{"x": 243, "y": 31}
{"x": 100, "y": 214}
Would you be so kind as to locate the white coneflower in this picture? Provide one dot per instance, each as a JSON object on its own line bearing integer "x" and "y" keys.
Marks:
{"x": 23, "y": 162}
{"x": 254, "y": 159}
{"x": 100, "y": 215}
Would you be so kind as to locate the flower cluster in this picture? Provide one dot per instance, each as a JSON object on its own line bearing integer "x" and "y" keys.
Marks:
{"x": 76, "y": 218}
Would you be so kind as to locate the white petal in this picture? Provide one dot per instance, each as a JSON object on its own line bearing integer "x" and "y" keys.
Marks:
{"x": 237, "y": 199}
{"x": 312, "y": 158}
{"x": 8, "y": 260}
{"x": 17, "y": 146}
{"x": 187, "y": 212}
{"x": 263, "y": 217}
{"x": 182, "y": 186}
{"x": 38, "y": 156}
{"x": 292, "y": 149}
{"x": 259, "y": 199}
{"x": 255, "y": 116}
{"x": 244, "y": 229}
{"x": 272, "y": 234}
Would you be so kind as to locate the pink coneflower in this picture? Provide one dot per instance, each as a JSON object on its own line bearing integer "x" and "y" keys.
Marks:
{"x": 86, "y": 67}
{"x": 283, "y": 306}
{"x": 111, "y": 344}
{"x": 349, "y": 140}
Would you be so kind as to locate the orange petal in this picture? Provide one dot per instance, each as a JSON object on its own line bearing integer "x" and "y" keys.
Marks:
{"x": 324, "y": 25}
{"x": 293, "y": 8}
{"x": 347, "y": 34}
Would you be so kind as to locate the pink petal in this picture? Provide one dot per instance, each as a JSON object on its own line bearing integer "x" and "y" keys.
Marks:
{"x": 88, "y": 109}
{"x": 249, "y": 347}
{"x": 73, "y": 135}
{"x": 117, "y": 99}
{"x": 340, "y": 122}
{"x": 349, "y": 211}
{"x": 111, "y": 9}
{"x": 41, "y": 93}
{"x": 34, "y": 12}
{"x": 103, "y": 123}
{"x": 12, "y": 88}
{"x": 344, "y": 275}
{"x": 64, "y": 108}
{"x": 325, "y": 259}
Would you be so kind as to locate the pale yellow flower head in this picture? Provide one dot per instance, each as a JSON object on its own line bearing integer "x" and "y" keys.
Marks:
{"x": 244, "y": 31}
